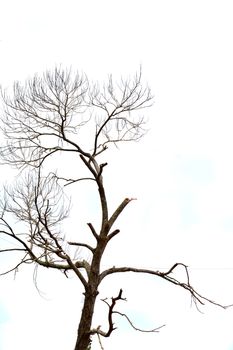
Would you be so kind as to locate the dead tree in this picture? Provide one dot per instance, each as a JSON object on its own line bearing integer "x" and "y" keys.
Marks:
{"x": 52, "y": 115}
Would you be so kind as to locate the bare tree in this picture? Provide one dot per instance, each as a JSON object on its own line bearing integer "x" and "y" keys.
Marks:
{"x": 57, "y": 114}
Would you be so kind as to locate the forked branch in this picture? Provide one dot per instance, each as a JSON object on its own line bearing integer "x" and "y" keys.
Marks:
{"x": 197, "y": 298}
{"x": 111, "y": 311}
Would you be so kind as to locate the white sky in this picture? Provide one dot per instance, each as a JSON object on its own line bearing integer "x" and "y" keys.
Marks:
{"x": 181, "y": 172}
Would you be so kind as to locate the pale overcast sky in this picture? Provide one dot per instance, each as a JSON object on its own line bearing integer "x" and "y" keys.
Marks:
{"x": 181, "y": 172}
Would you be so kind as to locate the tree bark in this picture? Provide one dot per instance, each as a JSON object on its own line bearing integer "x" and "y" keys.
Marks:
{"x": 91, "y": 292}
{"x": 84, "y": 336}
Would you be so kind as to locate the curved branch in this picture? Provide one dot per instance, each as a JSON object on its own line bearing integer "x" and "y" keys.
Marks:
{"x": 139, "y": 329}
{"x": 82, "y": 245}
{"x": 16, "y": 266}
{"x": 33, "y": 257}
{"x": 196, "y": 297}
{"x": 17, "y": 238}
{"x": 111, "y": 327}
{"x": 71, "y": 181}
{"x": 111, "y": 311}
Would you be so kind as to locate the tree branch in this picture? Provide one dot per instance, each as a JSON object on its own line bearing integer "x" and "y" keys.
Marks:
{"x": 82, "y": 245}
{"x": 112, "y": 234}
{"x": 12, "y": 250}
{"x": 110, "y": 313}
{"x": 89, "y": 224}
{"x": 119, "y": 210}
{"x": 196, "y": 297}
{"x": 139, "y": 329}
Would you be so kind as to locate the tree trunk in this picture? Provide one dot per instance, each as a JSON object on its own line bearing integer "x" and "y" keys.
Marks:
{"x": 91, "y": 292}
{"x": 83, "y": 339}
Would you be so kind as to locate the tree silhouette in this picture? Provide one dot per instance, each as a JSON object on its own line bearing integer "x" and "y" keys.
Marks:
{"x": 58, "y": 114}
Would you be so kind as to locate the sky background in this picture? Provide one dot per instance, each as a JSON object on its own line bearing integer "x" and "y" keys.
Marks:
{"x": 181, "y": 172}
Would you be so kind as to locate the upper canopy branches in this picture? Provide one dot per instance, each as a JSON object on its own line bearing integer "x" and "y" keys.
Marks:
{"x": 62, "y": 111}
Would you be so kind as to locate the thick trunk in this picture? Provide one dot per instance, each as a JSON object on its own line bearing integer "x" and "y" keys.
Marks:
{"x": 91, "y": 292}
{"x": 83, "y": 339}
